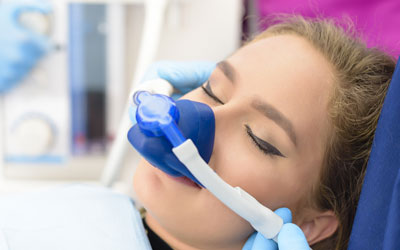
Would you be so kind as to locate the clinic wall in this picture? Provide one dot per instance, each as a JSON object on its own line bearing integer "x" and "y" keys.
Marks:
{"x": 193, "y": 30}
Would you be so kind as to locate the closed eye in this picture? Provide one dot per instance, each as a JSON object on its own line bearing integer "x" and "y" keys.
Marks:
{"x": 264, "y": 146}
{"x": 207, "y": 89}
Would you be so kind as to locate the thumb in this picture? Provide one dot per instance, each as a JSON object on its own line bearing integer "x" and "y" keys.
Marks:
{"x": 285, "y": 214}
{"x": 262, "y": 243}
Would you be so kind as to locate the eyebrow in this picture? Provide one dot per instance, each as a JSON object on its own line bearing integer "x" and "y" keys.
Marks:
{"x": 272, "y": 113}
{"x": 265, "y": 108}
{"x": 227, "y": 70}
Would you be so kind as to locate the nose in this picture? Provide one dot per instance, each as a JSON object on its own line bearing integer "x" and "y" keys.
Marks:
{"x": 227, "y": 121}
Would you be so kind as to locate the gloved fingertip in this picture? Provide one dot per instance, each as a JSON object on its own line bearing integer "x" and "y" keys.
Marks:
{"x": 263, "y": 243}
{"x": 291, "y": 229}
{"x": 176, "y": 76}
{"x": 285, "y": 214}
{"x": 203, "y": 71}
{"x": 169, "y": 75}
{"x": 211, "y": 66}
{"x": 249, "y": 243}
{"x": 292, "y": 237}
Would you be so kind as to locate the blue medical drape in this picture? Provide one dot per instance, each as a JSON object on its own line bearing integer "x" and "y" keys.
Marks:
{"x": 377, "y": 222}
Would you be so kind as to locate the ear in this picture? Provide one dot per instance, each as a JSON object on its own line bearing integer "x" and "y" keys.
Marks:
{"x": 318, "y": 226}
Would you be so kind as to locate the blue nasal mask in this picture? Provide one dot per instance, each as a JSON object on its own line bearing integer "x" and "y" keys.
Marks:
{"x": 155, "y": 134}
{"x": 178, "y": 138}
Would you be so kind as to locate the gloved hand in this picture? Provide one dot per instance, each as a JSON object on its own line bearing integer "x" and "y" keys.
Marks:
{"x": 20, "y": 48}
{"x": 184, "y": 76}
{"x": 290, "y": 237}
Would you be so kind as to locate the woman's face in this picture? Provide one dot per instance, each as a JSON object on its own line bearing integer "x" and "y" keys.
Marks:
{"x": 270, "y": 103}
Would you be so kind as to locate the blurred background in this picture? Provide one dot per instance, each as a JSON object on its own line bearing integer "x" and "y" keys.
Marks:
{"x": 58, "y": 125}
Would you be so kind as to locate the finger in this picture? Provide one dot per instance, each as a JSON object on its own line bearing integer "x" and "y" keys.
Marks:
{"x": 263, "y": 243}
{"x": 285, "y": 214}
{"x": 249, "y": 243}
{"x": 187, "y": 74}
{"x": 152, "y": 71}
{"x": 291, "y": 237}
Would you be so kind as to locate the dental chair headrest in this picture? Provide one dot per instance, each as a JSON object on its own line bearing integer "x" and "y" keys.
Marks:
{"x": 377, "y": 221}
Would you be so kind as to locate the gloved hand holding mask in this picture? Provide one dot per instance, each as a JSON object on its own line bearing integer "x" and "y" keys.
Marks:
{"x": 20, "y": 47}
{"x": 184, "y": 76}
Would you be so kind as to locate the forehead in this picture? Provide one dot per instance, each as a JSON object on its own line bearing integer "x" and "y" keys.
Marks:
{"x": 289, "y": 73}
{"x": 283, "y": 58}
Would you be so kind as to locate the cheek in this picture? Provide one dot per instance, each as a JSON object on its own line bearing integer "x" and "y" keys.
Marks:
{"x": 272, "y": 181}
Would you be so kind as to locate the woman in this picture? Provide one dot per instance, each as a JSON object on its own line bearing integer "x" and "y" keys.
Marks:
{"x": 296, "y": 110}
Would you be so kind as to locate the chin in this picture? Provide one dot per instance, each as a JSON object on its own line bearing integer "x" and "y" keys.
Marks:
{"x": 156, "y": 190}
{"x": 185, "y": 212}
{"x": 146, "y": 183}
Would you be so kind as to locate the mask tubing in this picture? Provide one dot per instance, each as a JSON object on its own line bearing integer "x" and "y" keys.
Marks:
{"x": 260, "y": 217}
{"x": 174, "y": 135}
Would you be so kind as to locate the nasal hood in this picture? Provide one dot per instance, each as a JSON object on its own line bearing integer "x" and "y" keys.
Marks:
{"x": 196, "y": 122}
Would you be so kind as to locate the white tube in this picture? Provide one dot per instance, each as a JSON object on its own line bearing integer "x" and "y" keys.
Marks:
{"x": 154, "y": 18}
{"x": 260, "y": 217}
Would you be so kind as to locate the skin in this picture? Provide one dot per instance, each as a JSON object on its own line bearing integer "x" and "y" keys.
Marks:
{"x": 289, "y": 74}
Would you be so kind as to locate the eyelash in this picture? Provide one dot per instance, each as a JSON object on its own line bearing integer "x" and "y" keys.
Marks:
{"x": 210, "y": 94}
{"x": 264, "y": 146}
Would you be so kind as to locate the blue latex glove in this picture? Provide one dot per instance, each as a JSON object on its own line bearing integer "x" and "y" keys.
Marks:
{"x": 290, "y": 237}
{"x": 184, "y": 76}
{"x": 20, "y": 48}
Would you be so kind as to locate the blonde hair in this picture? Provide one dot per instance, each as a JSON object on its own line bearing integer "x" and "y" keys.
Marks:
{"x": 362, "y": 76}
